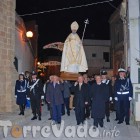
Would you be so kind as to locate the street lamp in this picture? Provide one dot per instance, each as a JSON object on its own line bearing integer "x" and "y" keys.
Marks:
{"x": 38, "y": 63}
{"x": 29, "y": 34}
{"x": 26, "y": 36}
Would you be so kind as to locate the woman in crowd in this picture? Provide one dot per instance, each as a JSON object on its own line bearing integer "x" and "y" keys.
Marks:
{"x": 20, "y": 93}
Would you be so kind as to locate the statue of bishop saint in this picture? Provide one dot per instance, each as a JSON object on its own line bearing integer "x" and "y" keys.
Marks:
{"x": 73, "y": 56}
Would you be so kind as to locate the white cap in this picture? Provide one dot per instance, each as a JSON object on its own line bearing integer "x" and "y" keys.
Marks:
{"x": 121, "y": 70}
{"x": 74, "y": 26}
{"x": 22, "y": 73}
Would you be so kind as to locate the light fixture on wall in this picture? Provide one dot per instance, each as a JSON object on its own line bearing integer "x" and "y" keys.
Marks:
{"x": 26, "y": 36}
{"x": 38, "y": 63}
{"x": 29, "y": 34}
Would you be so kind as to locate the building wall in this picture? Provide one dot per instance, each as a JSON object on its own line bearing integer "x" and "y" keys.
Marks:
{"x": 32, "y": 26}
{"x": 11, "y": 45}
{"x": 126, "y": 50}
{"x": 23, "y": 49}
{"x": 134, "y": 39}
{"x": 94, "y": 50}
{"x": 117, "y": 41}
{"x": 8, "y": 73}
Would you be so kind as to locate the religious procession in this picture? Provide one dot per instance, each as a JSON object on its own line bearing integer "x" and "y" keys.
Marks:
{"x": 91, "y": 97}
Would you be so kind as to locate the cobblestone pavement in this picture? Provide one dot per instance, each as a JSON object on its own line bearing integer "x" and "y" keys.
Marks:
{"x": 111, "y": 130}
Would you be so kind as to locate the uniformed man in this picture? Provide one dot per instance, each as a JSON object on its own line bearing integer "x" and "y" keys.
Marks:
{"x": 27, "y": 76}
{"x": 35, "y": 93}
{"x": 108, "y": 83}
{"x": 123, "y": 96}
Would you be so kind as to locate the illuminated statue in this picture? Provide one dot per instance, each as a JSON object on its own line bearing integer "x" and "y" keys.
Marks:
{"x": 73, "y": 56}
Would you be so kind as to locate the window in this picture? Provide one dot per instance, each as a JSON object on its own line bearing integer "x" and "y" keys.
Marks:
{"x": 139, "y": 75}
{"x": 106, "y": 56}
{"x": 16, "y": 63}
{"x": 94, "y": 55}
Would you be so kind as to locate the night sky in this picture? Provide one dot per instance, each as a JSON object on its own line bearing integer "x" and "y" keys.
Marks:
{"x": 55, "y": 26}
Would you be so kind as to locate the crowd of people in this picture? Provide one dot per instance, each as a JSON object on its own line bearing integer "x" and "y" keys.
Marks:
{"x": 93, "y": 97}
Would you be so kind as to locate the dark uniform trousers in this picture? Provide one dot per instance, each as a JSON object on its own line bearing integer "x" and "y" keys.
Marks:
{"x": 107, "y": 109}
{"x": 117, "y": 110}
{"x": 123, "y": 90}
{"x": 35, "y": 91}
{"x": 123, "y": 109}
{"x": 107, "y": 104}
{"x": 36, "y": 105}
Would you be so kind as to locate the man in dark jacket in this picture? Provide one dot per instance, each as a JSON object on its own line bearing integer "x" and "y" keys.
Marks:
{"x": 88, "y": 106}
{"x": 99, "y": 93}
{"x": 35, "y": 94}
{"x": 107, "y": 82}
{"x": 55, "y": 98}
{"x": 45, "y": 91}
{"x": 80, "y": 99}
{"x": 66, "y": 96}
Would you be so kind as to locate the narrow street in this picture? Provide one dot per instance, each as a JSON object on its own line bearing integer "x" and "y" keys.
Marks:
{"x": 110, "y": 131}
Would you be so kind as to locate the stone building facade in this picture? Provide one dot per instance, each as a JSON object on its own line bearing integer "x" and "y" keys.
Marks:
{"x": 134, "y": 39}
{"x": 125, "y": 38}
{"x": 117, "y": 41}
{"x": 25, "y": 50}
{"x": 97, "y": 54}
{"x": 16, "y": 53}
{"x": 8, "y": 73}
